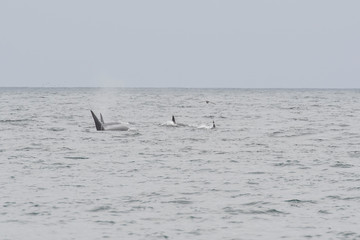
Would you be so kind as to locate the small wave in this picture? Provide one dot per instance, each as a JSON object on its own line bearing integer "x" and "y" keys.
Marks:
{"x": 140, "y": 207}
{"x": 351, "y": 198}
{"x": 186, "y": 149}
{"x": 37, "y": 213}
{"x": 190, "y": 193}
{"x": 256, "y": 173}
{"x": 324, "y": 212}
{"x": 342, "y": 165}
{"x": 180, "y": 201}
{"x": 105, "y": 222}
{"x": 188, "y": 106}
{"x": 66, "y": 149}
{"x": 33, "y": 213}
{"x": 61, "y": 165}
{"x": 298, "y": 201}
{"x": 271, "y": 211}
{"x": 286, "y": 134}
{"x": 130, "y": 133}
{"x": 76, "y": 157}
{"x": 196, "y": 232}
{"x": 255, "y": 203}
{"x": 300, "y": 119}
{"x": 232, "y": 139}
{"x": 348, "y": 235}
{"x": 100, "y": 209}
{"x": 55, "y": 129}
{"x": 334, "y": 197}
{"x": 14, "y": 120}
{"x": 287, "y": 163}
{"x": 354, "y": 154}
{"x": 71, "y": 185}
{"x": 220, "y": 152}
{"x": 28, "y": 149}
{"x": 290, "y": 108}
{"x": 9, "y": 204}
{"x": 240, "y": 195}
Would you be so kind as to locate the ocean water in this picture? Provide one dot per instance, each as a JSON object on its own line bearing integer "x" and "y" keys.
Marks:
{"x": 280, "y": 164}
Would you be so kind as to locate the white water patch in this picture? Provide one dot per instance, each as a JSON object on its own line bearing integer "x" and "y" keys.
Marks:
{"x": 169, "y": 124}
{"x": 203, "y": 126}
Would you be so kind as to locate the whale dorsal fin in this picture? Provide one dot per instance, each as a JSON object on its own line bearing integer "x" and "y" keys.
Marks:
{"x": 98, "y": 124}
{"x": 173, "y": 119}
{"x": 213, "y": 125}
{"x": 101, "y": 119}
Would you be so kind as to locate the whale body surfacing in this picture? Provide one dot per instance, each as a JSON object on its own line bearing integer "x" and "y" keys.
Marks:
{"x": 102, "y": 126}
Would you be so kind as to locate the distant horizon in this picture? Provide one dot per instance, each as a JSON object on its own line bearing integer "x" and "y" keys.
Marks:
{"x": 244, "y": 88}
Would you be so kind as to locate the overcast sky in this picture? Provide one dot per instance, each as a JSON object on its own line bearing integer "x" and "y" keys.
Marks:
{"x": 184, "y": 43}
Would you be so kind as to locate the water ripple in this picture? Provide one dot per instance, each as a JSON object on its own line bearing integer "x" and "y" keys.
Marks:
{"x": 284, "y": 159}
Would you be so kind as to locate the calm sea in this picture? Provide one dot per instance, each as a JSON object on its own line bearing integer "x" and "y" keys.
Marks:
{"x": 280, "y": 164}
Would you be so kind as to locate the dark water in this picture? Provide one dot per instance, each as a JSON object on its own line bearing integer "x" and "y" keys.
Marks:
{"x": 280, "y": 164}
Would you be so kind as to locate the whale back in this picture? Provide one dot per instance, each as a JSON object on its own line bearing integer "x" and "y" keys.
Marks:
{"x": 98, "y": 124}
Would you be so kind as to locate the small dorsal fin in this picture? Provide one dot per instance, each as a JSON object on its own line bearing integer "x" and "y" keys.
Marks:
{"x": 101, "y": 119}
{"x": 213, "y": 125}
{"x": 173, "y": 119}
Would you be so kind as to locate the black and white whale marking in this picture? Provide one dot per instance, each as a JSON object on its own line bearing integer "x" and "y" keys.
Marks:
{"x": 102, "y": 126}
{"x": 173, "y": 123}
{"x": 203, "y": 126}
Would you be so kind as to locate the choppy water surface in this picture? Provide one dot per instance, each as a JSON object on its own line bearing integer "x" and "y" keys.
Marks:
{"x": 280, "y": 164}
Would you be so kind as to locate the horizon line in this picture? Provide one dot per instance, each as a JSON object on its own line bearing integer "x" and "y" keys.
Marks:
{"x": 274, "y": 88}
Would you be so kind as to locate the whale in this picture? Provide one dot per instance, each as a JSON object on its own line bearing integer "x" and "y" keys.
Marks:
{"x": 109, "y": 123}
{"x": 102, "y": 126}
{"x": 173, "y": 123}
{"x": 203, "y": 126}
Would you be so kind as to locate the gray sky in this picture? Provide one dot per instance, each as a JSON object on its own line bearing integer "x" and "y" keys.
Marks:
{"x": 184, "y": 43}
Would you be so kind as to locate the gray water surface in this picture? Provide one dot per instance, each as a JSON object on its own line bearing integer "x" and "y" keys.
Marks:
{"x": 280, "y": 164}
